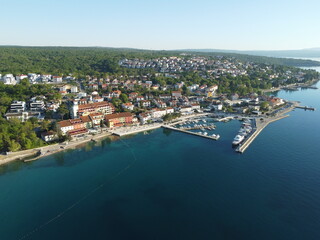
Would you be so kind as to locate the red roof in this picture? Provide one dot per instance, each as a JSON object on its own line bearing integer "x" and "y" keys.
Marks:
{"x": 118, "y": 115}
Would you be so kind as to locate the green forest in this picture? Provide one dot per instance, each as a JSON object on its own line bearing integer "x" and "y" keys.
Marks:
{"x": 82, "y": 61}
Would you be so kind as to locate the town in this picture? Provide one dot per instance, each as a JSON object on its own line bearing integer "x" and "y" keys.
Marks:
{"x": 86, "y": 106}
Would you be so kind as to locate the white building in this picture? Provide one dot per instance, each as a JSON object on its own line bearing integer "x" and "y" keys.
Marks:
{"x": 37, "y": 105}
{"x": 9, "y": 79}
{"x": 57, "y": 79}
{"x": 18, "y": 106}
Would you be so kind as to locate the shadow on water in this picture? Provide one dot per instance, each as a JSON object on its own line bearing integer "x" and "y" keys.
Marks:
{"x": 167, "y": 131}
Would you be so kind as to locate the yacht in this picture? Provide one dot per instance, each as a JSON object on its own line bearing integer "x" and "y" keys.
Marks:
{"x": 237, "y": 140}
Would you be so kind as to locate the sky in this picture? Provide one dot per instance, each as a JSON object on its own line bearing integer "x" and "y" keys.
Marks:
{"x": 164, "y": 24}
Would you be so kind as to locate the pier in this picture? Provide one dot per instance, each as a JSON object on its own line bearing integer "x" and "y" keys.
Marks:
{"x": 259, "y": 127}
{"x": 192, "y": 133}
{"x": 306, "y": 108}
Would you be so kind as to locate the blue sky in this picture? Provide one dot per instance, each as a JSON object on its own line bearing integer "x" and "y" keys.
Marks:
{"x": 174, "y": 24}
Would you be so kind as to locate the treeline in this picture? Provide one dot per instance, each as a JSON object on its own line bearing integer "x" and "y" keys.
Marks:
{"x": 69, "y": 60}
{"x": 82, "y": 61}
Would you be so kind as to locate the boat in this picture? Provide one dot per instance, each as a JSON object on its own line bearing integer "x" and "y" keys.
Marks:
{"x": 205, "y": 133}
{"x": 238, "y": 139}
{"x": 215, "y": 136}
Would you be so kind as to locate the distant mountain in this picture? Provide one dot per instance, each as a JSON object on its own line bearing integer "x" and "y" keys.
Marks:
{"x": 303, "y": 53}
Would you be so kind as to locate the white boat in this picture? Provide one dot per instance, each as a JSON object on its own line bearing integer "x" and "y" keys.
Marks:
{"x": 237, "y": 140}
{"x": 215, "y": 136}
{"x": 205, "y": 133}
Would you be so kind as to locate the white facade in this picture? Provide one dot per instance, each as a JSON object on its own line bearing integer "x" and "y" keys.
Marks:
{"x": 18, "y": 106}
{"x": 9, "y": 79}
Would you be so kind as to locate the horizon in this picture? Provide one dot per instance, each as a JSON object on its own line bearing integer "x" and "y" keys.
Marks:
{"x": 228, "y": 25}
{"x": 145, "y": 49}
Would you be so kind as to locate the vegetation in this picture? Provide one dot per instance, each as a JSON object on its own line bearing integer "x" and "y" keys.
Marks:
{"x": 16, "y": 135}
{"x": 171, "y": 116}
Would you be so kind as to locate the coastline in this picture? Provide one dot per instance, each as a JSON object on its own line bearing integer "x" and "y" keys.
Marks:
{"x": 293, "y": 86}
{"x": 37, "y": 153}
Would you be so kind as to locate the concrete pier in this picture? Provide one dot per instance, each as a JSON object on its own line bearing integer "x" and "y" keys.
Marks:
{"x": 306, "y": 108}
{"x": 259, "y": 127}
{"x": 188, "y": 132}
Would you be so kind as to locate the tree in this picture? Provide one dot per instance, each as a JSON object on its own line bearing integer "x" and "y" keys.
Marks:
{"x": 264, "y": 106}
{"x": 63, "y": 110}
{"x": 124, "y": 97}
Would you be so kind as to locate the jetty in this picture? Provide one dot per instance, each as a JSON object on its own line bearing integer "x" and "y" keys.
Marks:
{"x": 192, "y": 133}
{"x": 306, "y": 108}
{"x": 260, "y": 125}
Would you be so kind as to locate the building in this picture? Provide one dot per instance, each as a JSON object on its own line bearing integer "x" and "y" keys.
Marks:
{"x": 129, "y": 106}
{"x": 57, "y": 79}
{"x": 86, "y": 109}
{"x": 49, "y": 136}
{"x": 18, "y": 106}
{"x": 96, "y": 118}
{"x": 144, "y": 117}
{"x": 119, "y": 119}
{"x": 176, "y": 94}
{"x": 37, "y": 105}
{"x": 9, "y": 79}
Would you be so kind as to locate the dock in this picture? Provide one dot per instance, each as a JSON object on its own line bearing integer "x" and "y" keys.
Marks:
{"x": 188, "y": 132}
{"x": 306, "y": 108}
{"x": 259, "y": 127}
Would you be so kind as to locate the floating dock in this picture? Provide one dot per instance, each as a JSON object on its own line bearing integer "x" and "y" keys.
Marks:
{"x": 192, "y": 133}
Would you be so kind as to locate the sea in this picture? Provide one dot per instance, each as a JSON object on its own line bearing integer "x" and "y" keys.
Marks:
{"x": 168, "y": 185}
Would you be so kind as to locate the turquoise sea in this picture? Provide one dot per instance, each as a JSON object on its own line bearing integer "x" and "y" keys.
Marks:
{"x": 168, "y": 185}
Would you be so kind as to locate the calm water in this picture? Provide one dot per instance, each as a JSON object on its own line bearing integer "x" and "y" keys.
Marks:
{"x": 168, "y": 185}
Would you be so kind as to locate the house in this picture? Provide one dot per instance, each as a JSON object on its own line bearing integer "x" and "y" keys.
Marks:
{"x": 276, "y": 102}
{"x": 119, "y": 119}
{"x": 87, "y": 121}
{"x": 144, "y": 117}
{"x": 96, "y": 118}
{"x": 133, "y": 95}
{"x": 139, "y": 98}
{"x": 37, "y": 105}
{"x": 57, "y": 79}
{"x": 159, "y": 103}
{"x": 165, "y": 97}
{"x": 158, "y": 113}
{"x": 49, "y": 136}
{"x": 129, "y": 106}
{"x": 116, "y": 93}
{"x": 176, "y": 94}
{"x": 195, "y": 107}
{"x": 65, "y": 126}
{"x": 186, "y": 110}
{"x": 145, "y": 103}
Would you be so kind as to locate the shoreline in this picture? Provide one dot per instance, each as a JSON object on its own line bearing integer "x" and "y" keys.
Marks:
{"x": 293, "y": 86}
{"x": 37, "y": 153}
{"x": 30, "y": 154}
